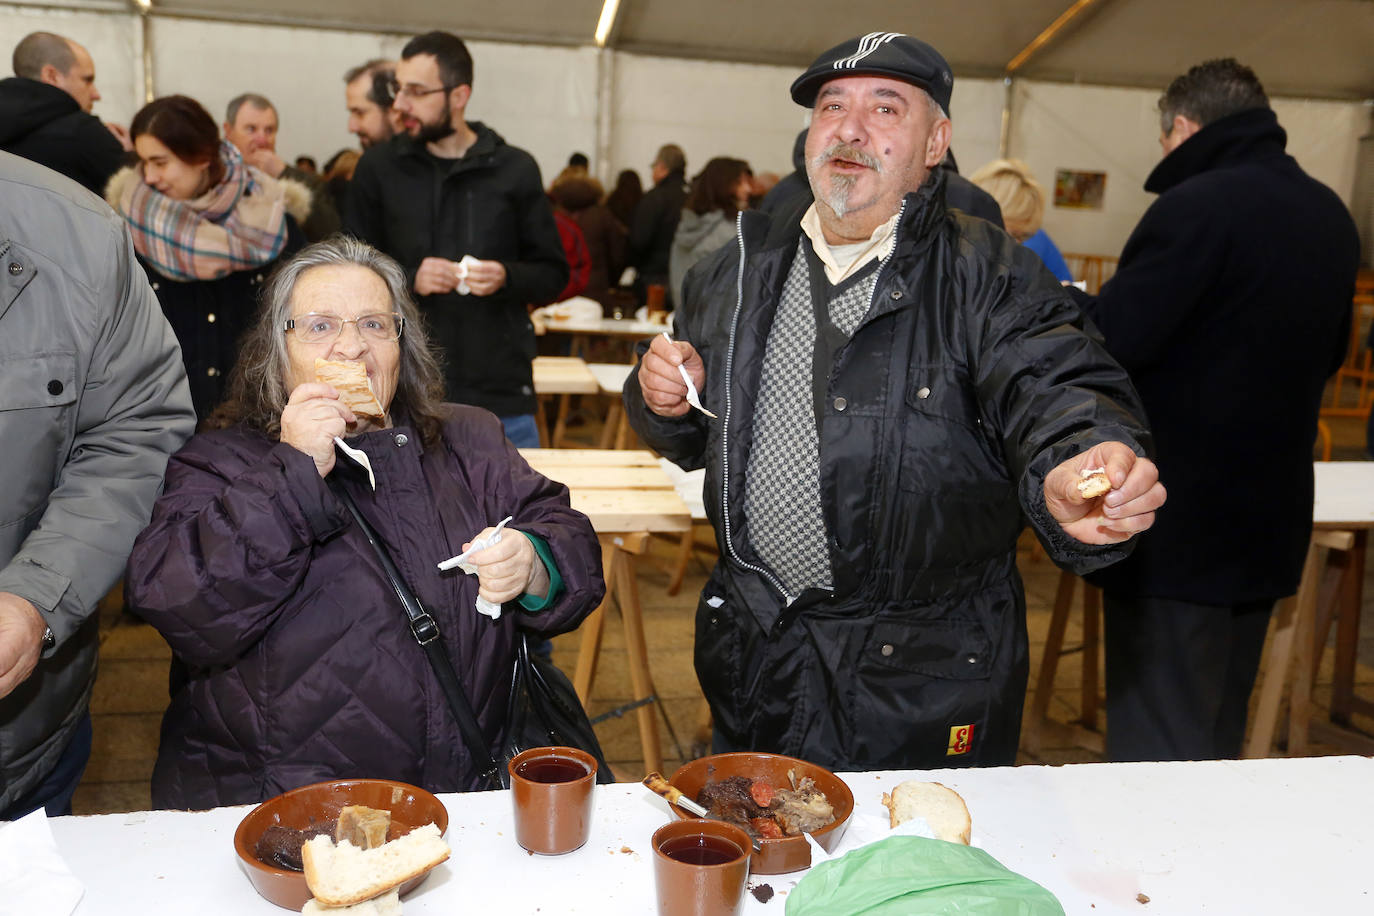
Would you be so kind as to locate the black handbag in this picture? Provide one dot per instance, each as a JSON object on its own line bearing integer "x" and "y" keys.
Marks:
{"x": 543, "y": 709}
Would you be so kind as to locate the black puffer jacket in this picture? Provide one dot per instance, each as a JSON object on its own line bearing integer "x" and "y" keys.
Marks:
{"x": 44, "y": 124}
{"x": 971, "y": 377}
{"x": 293, "y": 660}
{"x": 489, "y": 204}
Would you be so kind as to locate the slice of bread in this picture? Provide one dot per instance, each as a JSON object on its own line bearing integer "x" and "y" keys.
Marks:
{"x": 941, "y": 807}
{"x": 343, "y": 874}
{"x": 349, "y": 378}
{"x": 1095, "y": 482}
{"x": 362, "y": 826}
{"x": 389, "y": 904}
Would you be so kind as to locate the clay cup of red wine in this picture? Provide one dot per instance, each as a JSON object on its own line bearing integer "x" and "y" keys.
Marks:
{"x": 551, "y": 788}
{"x": 700, "y": 868}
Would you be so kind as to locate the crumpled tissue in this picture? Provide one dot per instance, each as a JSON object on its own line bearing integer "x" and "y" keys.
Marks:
{"x": 34, "y": 879}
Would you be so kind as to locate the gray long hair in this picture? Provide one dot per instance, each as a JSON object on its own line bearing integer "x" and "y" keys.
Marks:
{"x": 257, "y": 384}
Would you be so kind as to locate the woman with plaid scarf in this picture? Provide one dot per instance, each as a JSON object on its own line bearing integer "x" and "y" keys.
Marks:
{"x": 207, "y": 228}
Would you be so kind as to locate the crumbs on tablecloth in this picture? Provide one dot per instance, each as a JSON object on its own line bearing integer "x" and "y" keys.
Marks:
{"x": 762, "y": 892}
{"x": 627, "y": 850}
{"x": 1141, "y": 898}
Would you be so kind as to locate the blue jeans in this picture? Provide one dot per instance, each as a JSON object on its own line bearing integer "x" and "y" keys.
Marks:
{"x": 521, "y": 430}
{"x": 55, "y": 792}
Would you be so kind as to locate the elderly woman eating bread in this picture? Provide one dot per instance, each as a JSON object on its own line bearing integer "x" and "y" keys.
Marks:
{"x": 293, "y": 659}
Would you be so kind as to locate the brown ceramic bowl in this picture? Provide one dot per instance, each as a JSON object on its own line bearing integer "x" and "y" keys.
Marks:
{"x": 409, "y": 805}
{"x": 776, "y": 857}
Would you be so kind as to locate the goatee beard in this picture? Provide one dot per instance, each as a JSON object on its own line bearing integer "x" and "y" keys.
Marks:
{"x": 836, "y": 196}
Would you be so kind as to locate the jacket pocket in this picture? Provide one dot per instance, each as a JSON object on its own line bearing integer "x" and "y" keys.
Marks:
{"x": 718, "y": 655}
{"x": 35, "y": 417}
{"x": 944, "y": 443}
{"x": 920, "y": 687}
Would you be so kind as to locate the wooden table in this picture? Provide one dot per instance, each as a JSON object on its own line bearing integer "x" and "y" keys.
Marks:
{"x": 627, "y": 497}
{"x": 615, "y": 431}
{"x": 626, "y": 329}
{"x": 562, "y": 376}
{"x": 1342, "y": 514}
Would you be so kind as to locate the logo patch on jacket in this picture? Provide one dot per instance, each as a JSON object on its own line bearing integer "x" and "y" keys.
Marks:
{"x": 960, "y": 740}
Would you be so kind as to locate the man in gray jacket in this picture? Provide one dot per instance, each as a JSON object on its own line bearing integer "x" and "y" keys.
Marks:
{"x": 93, "y": 399}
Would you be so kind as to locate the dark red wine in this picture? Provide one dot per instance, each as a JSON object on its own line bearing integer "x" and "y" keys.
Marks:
{"x": 551, "y": 769}
{"x": 701, "y": 850}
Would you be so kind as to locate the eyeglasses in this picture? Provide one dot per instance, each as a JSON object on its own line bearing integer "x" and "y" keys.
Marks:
{"x": 318, "y": 327}
{"x": 413, "y": 90}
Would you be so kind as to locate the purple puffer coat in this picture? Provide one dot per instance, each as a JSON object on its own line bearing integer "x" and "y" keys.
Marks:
{"x": 293, "y": 658}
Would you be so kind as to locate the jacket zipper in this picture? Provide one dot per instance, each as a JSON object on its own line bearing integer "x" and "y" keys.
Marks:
{"x": 896, "y": 234}
{"x": 725, "y": 423}
{"x": 729, "y": 372}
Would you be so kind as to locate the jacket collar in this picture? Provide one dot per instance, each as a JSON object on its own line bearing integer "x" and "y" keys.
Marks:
{"x": 486, "y": 143}
{"x": 1245, "y": 136}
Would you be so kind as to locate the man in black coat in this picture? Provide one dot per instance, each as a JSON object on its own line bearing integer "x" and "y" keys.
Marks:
{"x": 466, "y": 215}
{"x": 655, "y": 220}
{"x": 1230, "y": 308}
{"x": 45, "y": 112}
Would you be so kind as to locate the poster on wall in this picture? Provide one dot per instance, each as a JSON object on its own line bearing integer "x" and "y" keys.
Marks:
{"x": 1079, "y": 190}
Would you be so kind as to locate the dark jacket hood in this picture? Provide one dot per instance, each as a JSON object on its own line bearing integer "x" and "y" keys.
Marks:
{"x": 799, "y": 151}
{"x": 26, "y": 105}
{"x": 1244, "y": 136}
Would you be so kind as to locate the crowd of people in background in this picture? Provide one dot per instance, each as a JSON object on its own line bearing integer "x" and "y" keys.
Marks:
{"x": 904, "y": 377}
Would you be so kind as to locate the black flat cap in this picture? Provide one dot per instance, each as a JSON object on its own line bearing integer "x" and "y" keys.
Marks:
{"x": 889, "y": 54}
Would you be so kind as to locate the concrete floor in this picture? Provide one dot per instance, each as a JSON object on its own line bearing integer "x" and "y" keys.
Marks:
{"x": 131, "y": 688}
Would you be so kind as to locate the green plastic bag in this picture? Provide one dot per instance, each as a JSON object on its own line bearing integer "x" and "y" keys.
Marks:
{"x": 909, "y": 875}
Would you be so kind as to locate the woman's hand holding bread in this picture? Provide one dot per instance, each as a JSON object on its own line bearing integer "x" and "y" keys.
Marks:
{"x": 313, "y": 416}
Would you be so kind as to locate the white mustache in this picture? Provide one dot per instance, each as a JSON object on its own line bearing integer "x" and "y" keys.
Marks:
{"x": 843, "y": 150}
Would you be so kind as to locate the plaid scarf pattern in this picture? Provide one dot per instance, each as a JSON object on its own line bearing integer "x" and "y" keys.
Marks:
{"x": 238, "y": 224}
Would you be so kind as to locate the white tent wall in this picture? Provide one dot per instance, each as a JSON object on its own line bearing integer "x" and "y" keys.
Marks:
{"x": 544, "y": 99}
{"x": 975, "y": 111}
{"x": 115, "y": 41}
{"x": 1103, "y": 129}
{"x": 709, "y": 109}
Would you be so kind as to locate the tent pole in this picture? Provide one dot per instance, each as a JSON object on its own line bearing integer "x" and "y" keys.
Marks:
{"x": 605, "y": 107}
{"x": 1008, "y": 95}
{"x": 146, "y": 22}
{"x": 1047, "y": 35}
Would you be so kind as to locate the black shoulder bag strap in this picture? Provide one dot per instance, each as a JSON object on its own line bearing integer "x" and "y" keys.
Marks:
{"x": 426, "y": 632}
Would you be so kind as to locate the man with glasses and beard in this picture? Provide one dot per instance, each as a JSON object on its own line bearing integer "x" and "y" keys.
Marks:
{"x": 896, "y": 388}
{"x": 466, "y": 215}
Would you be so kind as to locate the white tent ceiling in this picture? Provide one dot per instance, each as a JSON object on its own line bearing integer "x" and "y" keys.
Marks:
{"x": 1306, "y": 48}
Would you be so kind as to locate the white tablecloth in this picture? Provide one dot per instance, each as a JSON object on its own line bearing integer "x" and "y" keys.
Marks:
{"x": 1254, "y": 836}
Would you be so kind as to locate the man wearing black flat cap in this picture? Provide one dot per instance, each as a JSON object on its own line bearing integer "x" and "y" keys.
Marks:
{"x": 897, "y": 385}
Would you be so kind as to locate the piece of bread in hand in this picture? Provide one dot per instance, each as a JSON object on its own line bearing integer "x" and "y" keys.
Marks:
{"x": 362, "y": 826}
{"x": 941, "y": 807}
{"x": 1095, "y": 482}
{"x": 389, "y": 904}
{"x": 343, "y": 874}
{"x": 349, "y": 378}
